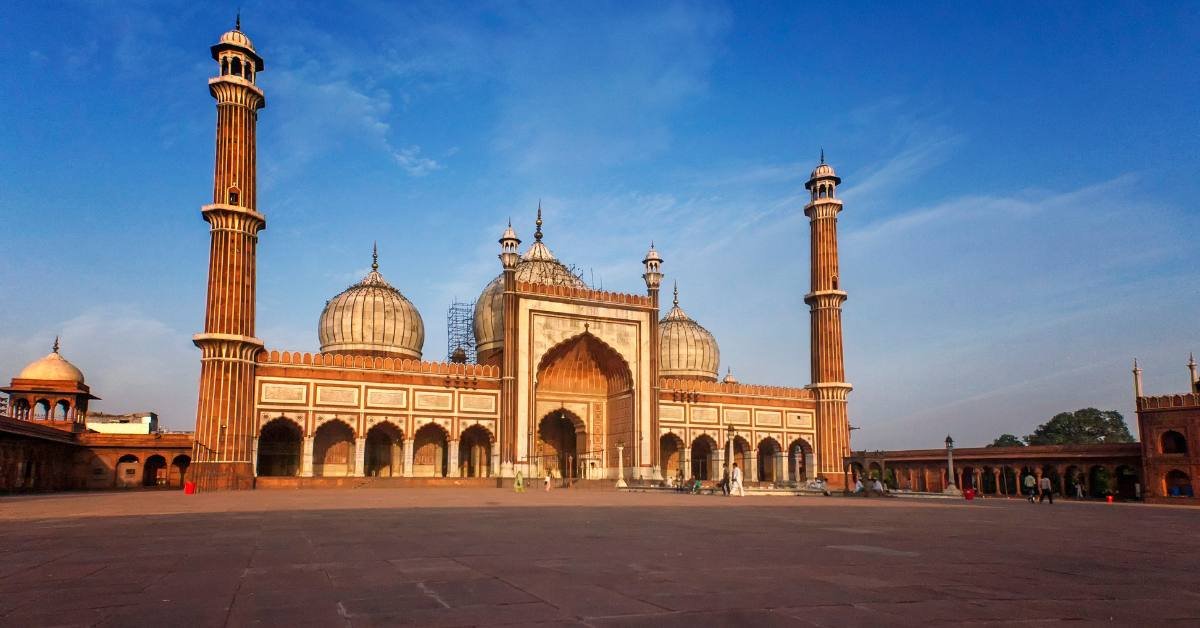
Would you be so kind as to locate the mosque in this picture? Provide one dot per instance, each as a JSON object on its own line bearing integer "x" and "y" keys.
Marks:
{"x": 572, "y": 381}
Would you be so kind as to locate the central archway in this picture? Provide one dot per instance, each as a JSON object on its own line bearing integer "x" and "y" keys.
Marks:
{"x": 557, "y": 449}
{"x": 385, "y": 451}
{"x": 430, "y": 452}
{"x": 587, "y": 384}
{"x": 333, "y": 450}
{"x": 279, "y": 448}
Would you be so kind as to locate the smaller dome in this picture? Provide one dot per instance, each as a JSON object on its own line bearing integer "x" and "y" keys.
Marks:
{"x": 729, "y": 378}
{"x": 652, "y": 255}
{"x": 53, "y": 367}
{"x": 685, "y": 348}
{"x": 237, "y": 38}
{"x": 372, "y": 318}
{"x": 823, "y": 170}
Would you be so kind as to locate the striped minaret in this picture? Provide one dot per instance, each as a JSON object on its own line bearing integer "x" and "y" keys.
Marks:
{"x": 825, "y": 305}
{"x": 225, "y": 425}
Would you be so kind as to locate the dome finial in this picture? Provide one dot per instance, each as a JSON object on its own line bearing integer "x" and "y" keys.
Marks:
{"x": 822, "y": 154}
{"x": 676, "y": 303}
{"x": 56, "y": 344}
{"x": 375, "y": 256}
{"x": 537, "y": 235}
{"x": 237, "y": 23}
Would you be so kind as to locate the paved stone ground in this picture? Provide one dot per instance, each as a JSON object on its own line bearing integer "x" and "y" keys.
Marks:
{"x": 485, "y": 556}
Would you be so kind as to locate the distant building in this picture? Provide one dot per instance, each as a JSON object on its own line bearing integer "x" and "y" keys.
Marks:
{"x": 49, "y": 441}
{"x": 1170, "y": 430}
{"x": 133, "y": 423}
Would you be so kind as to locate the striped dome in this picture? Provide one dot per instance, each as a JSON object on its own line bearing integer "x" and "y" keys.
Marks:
{"x": 685, "y": 348}
{"x": 372, "y": 318}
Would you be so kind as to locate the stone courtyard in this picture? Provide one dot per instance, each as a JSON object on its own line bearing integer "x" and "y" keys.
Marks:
{"x": 486, "y": 556}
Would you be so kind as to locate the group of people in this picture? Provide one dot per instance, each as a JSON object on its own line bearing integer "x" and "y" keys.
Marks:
{"x": 731, "y": 482}
{"x": 877, "y": 487}
{"x": 1039, "y": 490}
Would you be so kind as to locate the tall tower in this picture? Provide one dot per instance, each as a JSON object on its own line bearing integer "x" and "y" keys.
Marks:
{"x": 825, "y": 306}
{"x": 225, "y": 426}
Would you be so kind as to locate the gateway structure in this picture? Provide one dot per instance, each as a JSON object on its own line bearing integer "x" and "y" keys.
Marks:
{"x": 570, "y": 380}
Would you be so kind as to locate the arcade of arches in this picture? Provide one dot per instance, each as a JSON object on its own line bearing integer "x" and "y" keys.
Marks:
{"x": 584, "y": 401}
{"x": 386, "y": 451}
{"x": 767, "y": 463}
{"x": 1074, "y": 470}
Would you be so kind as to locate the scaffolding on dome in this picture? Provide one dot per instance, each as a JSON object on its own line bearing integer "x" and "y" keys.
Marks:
{"x": 460, "y": 331}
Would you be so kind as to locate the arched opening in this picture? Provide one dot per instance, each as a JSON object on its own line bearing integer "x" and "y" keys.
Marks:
{"x": 584, "y": 371}
{"x": 799, "y": 453}
{"x": 233, "y": 195}
{"x": 670, "y": 457}
{"x": 768, "y": 460}
{"x": 21, "y": 409}
{"x": 704, "y": 457}
{"x": 987, "y": 481}
{"x": 922, "y": 481}
{"x": 1098, "y": 481}
{"x": 127, "y": 471}
{"x": 1173, "y": 442}
{"x": 1178, "y": 484}
{"x": 742, "y": 457}
{"x": 236, "y": 66}
{"x": 1010, "y": 482}
{"x": 179, "y": 467}
{"x": 1127, "y": 482}
{"x": 62, "y": 410}
{"x": 475, "y": 452}
{"x": 1073, "y": 478}
{"x": 41, "y": 409}
{"x": 279, "y": 448}
{"x": 154, "y": 472}
{"x": 875, "y": 471}
{"x": 224, "y": 65}
{"x": 384, "y": 457}
{"x": 333, "y": 450}
{"x": 558, "y": 444}
{"x": 430, "y": 452}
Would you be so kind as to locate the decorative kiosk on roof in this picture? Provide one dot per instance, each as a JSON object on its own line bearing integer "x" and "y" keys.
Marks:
{"x": 51, "y": 391}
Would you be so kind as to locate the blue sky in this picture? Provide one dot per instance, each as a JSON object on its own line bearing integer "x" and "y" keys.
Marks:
{"x": 1020, "y": 183}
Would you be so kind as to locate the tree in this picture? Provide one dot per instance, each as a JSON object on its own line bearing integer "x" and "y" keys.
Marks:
{"x": 1007, "y": 440}
{"x": 1082, "y": 427}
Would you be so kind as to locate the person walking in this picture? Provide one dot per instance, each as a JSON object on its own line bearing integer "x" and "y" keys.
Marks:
{"x": 1030, "y": 487}
{"x": 736, "y": 481}
{"x": 519, "y": 483}
{"x": 1047, "y": 489}
{"x": 547, "y": 482}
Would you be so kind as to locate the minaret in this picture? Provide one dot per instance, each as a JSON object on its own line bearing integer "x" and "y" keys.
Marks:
{"x": 1137, "y": 381}
{"x": 1192, "y": 373}
{"x": 510, "y": 256}
{"x": 825, "y": 305}
{"x": 653, "y": 276}
{"x": 225, "y": 425}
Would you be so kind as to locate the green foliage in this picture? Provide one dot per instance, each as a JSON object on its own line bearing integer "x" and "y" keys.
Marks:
{"x": 1082, "y": 427}
{"x": 1007, "y": 440}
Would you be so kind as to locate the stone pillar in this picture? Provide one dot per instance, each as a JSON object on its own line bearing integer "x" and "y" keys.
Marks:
{"x": 360, "y": 457}
{"x": 685, "y": 461}
{"x": 394, "y": 463}
{"x": 452, "y": 458}
{"x": 751, "y": 468}
{"x": 408, "y": 457}
{"x": 306, "y": 458}
{"x": 998, "y": 481}
{"x": 780, "y": 467}
{"x": 718, "y": 465}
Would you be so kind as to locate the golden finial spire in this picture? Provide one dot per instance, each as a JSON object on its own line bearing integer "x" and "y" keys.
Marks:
{"x": 676, "y": 302}
{"x": 56, "y": 344}
{"x": 822, "y": 155}
{"x": 537, "y": 235}
{"x": 374, "y": 256}
{"x": 237, "y": 23}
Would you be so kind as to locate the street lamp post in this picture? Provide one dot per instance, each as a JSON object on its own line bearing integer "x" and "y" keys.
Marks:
{"x": 950, "y": 486}
{"x": 621, "y": 465}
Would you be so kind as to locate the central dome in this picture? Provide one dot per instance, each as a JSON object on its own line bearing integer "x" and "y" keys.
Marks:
{"x": 372, "y": 318}
{"x": 537, "y": 265}
{"x": 53, "y": 367}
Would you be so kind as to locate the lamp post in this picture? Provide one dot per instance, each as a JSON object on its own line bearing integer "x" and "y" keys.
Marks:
{"x": 950, "y": 486}
{"x": 621, "y": 464}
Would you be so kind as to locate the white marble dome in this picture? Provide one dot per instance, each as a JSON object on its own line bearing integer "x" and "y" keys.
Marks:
{"x": 686, "y": 350}
{"x": 53, "y": 367}
{"x": 372, "y": 318}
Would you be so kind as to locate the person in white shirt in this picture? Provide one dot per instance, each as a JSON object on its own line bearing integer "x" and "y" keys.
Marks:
{"x": 1047, "y": 491}
{"x": 736, "y": 482}
{"x": 877, "y": 486}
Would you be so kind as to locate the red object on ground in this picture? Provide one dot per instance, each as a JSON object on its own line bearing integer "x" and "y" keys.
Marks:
{"x": 969, "y": 494}
{"x": 1108, "y": 498}
{"x": 189, "y": 488}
